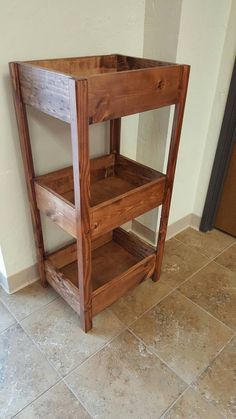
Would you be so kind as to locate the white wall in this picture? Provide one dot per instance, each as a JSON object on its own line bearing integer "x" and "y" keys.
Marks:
{"x": 31, "y": 29}
{"x": 203, "y": 29}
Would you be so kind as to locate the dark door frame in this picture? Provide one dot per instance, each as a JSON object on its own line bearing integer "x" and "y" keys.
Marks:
{"x": 222, "y": 158}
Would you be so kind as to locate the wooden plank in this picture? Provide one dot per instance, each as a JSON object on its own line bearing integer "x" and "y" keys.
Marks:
{"x": 68, "y": 253}
{"x": 119, "y": 210}
{"x": 132, "y": 243}
{"x": 171, "y": 165}
{"x": 81, "y": 172}
{"x": 106, "y": 295}
{"x": 45, "y": 90}
{"x": 60, "y": 181}
{"x": 63, "y": 286}
{"x": 115, "y": 131}
{"x": 26, "y": 152}
{"x": 137, "y": 173}
{"x": 60, "y": 211}
{"x": 124, "y": 93}
{"x": 125, "y": 62}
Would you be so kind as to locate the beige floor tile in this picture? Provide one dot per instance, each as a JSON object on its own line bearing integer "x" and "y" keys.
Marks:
{"x": 228, "y": 258}
{"x": 56, "y": 403}
{"x": 192, "y": 406}
{"x": 182, "y": 334}
{"x": 136, "y": 302}
{"x": 26, "y": 301}
{"x": 214, "y": 289}
{"x": 179, "y": 263}
{"x": 130, "y": 382}
{"x": 24, "y": 372}
{"x": 57, "y": 331}
{"x": 218, "y": 383}
{"x": 6, "y": 319}
{"x": 209, "y": 244}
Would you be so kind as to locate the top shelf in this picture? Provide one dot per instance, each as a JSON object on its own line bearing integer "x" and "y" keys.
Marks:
{"x": 117, "y": 85}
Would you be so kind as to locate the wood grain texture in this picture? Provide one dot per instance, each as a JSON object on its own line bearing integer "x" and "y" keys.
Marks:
{"x": 171, "y": 165}
{"x": 119, "y": 94}
{"x": 45, "y": 90}
{"x": 115, "y": 132}
{"x": 65, "y": 288}
{"x": 55, "y": 207}
{"x": 132, "y": 243}
{"x": 125, "y": 207}
{"x": 106, "y": 295}
{"x": 81, "y": 173}
{"x": 26, "y": 152}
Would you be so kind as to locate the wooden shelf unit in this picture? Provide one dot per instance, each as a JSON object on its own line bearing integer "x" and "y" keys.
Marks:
{"x": 92, "y": 198}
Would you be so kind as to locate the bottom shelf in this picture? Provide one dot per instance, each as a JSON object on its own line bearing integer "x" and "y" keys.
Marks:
{"x": 120, "y": 260}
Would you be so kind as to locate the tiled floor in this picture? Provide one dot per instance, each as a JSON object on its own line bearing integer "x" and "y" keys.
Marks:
{"x": 165, "y": 350}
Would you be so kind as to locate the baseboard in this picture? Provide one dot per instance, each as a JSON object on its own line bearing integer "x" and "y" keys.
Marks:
{"x": 20, "y": 280}
{"x": 190, "y": 220}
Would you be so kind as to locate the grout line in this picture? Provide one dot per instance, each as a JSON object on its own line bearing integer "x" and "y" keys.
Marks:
{"x": 224, "y": 267}
{"x": 174, "y": 402}
{"x": 150, "y": 349}
{"x": 40, "y": 308}
{"x": 207, "y": 312}
{"x": 77, "y": 398}
{"x": 36, "y": 398}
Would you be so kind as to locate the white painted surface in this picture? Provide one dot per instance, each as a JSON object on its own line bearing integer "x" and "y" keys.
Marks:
{"x": 31, "y": 29}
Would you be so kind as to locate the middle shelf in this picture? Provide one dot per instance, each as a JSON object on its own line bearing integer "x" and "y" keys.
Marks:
{"x": 120, "y": 190}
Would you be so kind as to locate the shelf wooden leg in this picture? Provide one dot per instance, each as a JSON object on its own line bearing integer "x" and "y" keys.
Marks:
{"x": 171, "y": 165}
{"x": 26, "y": 151}
{"x": 81, "y": 173}
{"x": 115, "y": 130}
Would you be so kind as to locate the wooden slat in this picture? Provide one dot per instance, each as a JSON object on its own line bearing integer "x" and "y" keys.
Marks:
{"x": 110, "y": 292}
{"x": 26, "y": 152}
{"x": 124, "y": 93}
{"x": 45, "y": 90}
{"x": 119, "y": 210}
{"x": 135, "y": 172}
{"x": 132, "y": 243}
{"x": 115, "y": 132}
{"x": 60, "y": 181}
{"x": 63, "y": 286}
{"x": 68, "y": 253}
{"x": 56, "y": 208}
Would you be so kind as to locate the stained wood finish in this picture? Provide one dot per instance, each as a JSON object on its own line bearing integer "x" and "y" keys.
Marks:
{"x": 92, "y": 198}
{"x": 120, "y": 190}
{"x": 63, "y": 286}
{"x": 115, "y": 132}
{"x": 81, "y": 173}
{"x": 119, "y": 94}
{"x": 46, "y": 91}
{"x": 120, "y": 260}
{"x": 26, "y": 152}
{"x": 171, "y": 165}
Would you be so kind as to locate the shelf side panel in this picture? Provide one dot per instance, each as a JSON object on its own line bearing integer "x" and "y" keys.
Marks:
{"x": 119, "y": 94}
{"x": 117, "y": 211}
{"x": 103, "y": 297}
{"x": 45, "y": 90}
{"x": 63, "y": 286}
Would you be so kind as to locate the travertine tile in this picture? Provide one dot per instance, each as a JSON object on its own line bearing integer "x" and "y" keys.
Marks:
{"x": 24, "y": 372}
{"x": 125, "y": 380}
{"x": 192, "y": 406}
{"x": 209, "y": 244}
{"x": 134, "y": 303}
{"x": 218, "y": 383}
{"x": 228, "y": 258}
{"x": 6, "y": 319}
{"x": 56, "y": 329}
{"x": 179, "y": 263}
{"x": 57, "y": 403}
{"x": 26, "y": 301}
{"x": 214, "y": 289}
{"x": 182, "y": 334}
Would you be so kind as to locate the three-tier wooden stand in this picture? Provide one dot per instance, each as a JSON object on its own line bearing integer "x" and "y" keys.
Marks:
{"x": 91, "y": 199}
